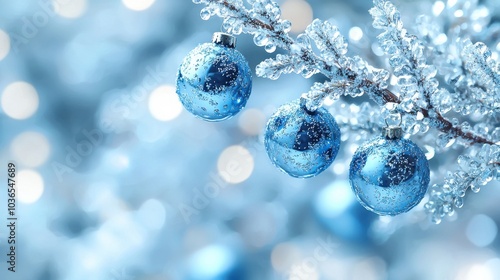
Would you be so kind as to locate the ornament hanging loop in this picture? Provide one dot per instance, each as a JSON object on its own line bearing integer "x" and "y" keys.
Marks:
{"x": 392, "y": 131}
{"x": 307, "y": 105}
{"x": 392, "y": 117}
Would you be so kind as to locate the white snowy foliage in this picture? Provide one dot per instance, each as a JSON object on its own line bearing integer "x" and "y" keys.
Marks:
{"x": 438, "y": 72}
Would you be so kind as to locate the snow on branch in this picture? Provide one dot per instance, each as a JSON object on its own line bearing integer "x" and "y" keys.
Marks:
{"x": 476, "y": 169}
{"x": 472, "y": 84}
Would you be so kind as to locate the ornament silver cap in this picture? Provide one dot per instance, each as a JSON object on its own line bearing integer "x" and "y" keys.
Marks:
{"x": 393, "y": 132}
{"x": 224, "y": 39}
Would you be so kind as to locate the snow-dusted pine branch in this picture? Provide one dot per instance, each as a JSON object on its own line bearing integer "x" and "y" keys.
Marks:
{"x": 270, "y": 31}
{"x": 418, "y": 97}
{"x": 476, "y": 169}
{"x": 468, "y": 69}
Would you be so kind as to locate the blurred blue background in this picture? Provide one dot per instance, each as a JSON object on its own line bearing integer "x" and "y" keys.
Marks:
{"x": 117, "y": 181}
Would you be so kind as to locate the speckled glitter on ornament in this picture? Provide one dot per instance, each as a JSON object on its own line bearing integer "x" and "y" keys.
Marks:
{"x": 389, "y": 176}
{"x": 214, "y": 81}
{"x": 302, "y": 143}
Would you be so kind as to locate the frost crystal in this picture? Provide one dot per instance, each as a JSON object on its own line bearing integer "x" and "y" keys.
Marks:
{"x": 476, "y": 169}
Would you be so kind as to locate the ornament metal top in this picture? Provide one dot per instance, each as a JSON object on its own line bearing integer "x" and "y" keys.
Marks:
{"x": 214, "y": 80}
{"x": 224, "y": 39}
{"x": 392, "y": 132}
{"x": 389, "y": 174}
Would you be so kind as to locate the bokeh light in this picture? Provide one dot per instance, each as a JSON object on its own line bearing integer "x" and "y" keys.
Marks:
{"x": 252, "y": 121}
{"x": 4, "y": 44}
{"x": 339, "y": 168}
{"x": 70, "y": 8}
{"x": 438, "y": 8}
{"x": 370, "y": 269}
{"x": 298, "y": 12}
{"x": 100, "y": 196}
{"x": 213, "y": 262}
{"x": 283, "y": 256}
{"x": 20, "y": 100}
{"x": 164, "y": 103}
{"x": 235, "y": 164}
{"x": 30, "y": 186}
{"x": 355, "y": 33}
{"x": 479, "y": 271}
{"x": 138, "y": 5}
{"x": 482, "y": 230}
{"x": 152, "y": 214}
{"x": 494, "y": 266}
{"x": 335, "y": 199}
{"x": 30, "y": 149}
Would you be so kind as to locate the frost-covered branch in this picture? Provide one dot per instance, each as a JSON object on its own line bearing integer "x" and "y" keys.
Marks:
{"x": 470, "y": 74}
{"x": 270, "y": 31}
{"x": 419, "y": 89}
{"x": 476, "y": 170}
{"x": 469, "y": 69}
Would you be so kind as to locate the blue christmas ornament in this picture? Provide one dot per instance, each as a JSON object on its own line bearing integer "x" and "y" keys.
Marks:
{"x": 300, "y": 142}
{"x": 389, "y": 174}
{"x": 214, "y": 81}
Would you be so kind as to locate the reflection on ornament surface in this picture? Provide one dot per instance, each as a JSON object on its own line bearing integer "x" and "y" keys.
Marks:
{"x": 302, "y": 143}
{"x": 214, "y": 82}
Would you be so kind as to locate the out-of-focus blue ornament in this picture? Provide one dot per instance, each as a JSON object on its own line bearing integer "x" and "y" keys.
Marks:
{"x": 300, "y": 142}
{"x": 214, "y": 80}
{"x": 215, "y": 262}
{"x": 389, "y": 174}
{"x": 336, "y": 208}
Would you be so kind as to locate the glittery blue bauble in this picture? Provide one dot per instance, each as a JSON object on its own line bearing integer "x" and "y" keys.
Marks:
{"x": 389, "y": 176}
{"x": 302, "y": 143}
{"x": 214, "y": 82}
